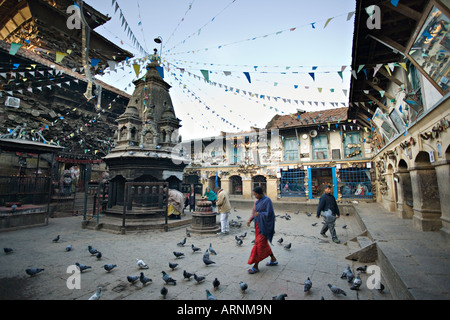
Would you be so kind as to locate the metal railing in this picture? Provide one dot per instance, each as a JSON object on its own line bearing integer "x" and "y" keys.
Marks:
{"x": 24, "y": 190}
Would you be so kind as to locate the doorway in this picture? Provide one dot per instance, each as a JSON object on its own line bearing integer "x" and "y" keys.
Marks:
{"x": 319, "y": 178}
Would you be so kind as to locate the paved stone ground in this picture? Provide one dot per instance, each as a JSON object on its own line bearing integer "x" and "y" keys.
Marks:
{"x": 310, "y": 256}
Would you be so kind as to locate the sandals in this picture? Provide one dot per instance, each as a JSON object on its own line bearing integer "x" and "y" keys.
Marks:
{"x": 272, "y": 263}
{"x": 253, "y": 270}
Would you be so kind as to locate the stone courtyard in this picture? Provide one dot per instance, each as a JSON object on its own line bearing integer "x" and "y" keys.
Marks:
{"x": 310, "y": 256}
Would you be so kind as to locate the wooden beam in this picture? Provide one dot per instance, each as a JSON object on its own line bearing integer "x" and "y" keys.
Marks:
{"x": 382, "y": 106}
{"x": 388, "y": 95}
{"x": 404, "y": 10}
{"x": 389, "y": 43}
{"x": 389, "y": 77}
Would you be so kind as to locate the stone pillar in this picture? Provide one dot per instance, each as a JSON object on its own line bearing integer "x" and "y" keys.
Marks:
{"x": 246, "y": 188}
{"x": 225, "y": 184}
{"x": 427, "y": 207}
{"x": 388, "y": 199}
{"x": 272, "y": 188}
{"x": 443, "y": 180}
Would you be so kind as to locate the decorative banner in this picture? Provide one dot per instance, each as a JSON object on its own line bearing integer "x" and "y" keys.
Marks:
{"x": 14, "y": 48}
{"x": 137, "y": 69}
{"x": 205, "y": 74}
{"x": 247, "y": 75}
{"x": 60, "y": 56}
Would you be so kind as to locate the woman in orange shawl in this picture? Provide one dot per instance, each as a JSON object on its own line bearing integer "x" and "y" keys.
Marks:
{"x": 264, "y": 217}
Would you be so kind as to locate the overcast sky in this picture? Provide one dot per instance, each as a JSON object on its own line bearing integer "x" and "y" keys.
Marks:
{"x": 278, "y": 43}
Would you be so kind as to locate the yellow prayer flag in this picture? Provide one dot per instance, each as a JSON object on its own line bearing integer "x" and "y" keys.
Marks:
{"x": 60, "y": 56}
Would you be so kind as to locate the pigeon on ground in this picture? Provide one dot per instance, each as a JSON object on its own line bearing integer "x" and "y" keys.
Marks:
{"x": 178, "y": 254}
{"x": 350, "y": 276}
{"x": 239, "y": 242}
{"x": 96, "y": 295}
{"x": 346, "y": 272}
{"x": 216, "y": 283}
{"x": 212, "y": 250}
{"x": 363, "y": 269}
{"x": 296, "y": 212}
{"x": 199, "y": 278}
{"x": 132, "y": 279}
{"x": 242, "y": 236}
{"x": 194, "y": 248}
{"x": 144, "y": 279}
{"x": 56, "y": 239}
{"x": 280, "y": 241}
{"x": 168, "y": 279}
{"x": 98, "y": 255}
{"x": 309, "y": 214}
{"x": 307, "y": 285}
{"x": 336, "y": 290}
{"x": 234, "y": 209}
{"x": 288, "y": 246}
{"x": 82, "y": 267}
{"x": 188, "y": 234}
{"x": 381, "y": 288}
{"x": 172, "y": 265}
{"x": 344, "y": 226}
{"x": 69, "y": 248}
{"x": 314, "y": 224}
{"x": 239, "y": 218}
{"x": 141, "y": 264}
{"x": 206, "y": 254}
{"x": 181, "y": 243}
{"x": 243, "y": 286}
{"x": 33, "y": 271}
{"x": 8, "y": 250}
{"x": 210, "y": 296}
{"x": 92, "y": 250}
{"x": 280, "y": 297}
{"x": 356, "y": 282}
{"x": 187, "y": 275}
{"x": 164, "y": 292}
{"x": 207, "y": 261}
{"x": 109, "y": 267}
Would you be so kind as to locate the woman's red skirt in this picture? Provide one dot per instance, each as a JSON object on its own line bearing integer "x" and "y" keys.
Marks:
{"x": 261, "y": 248}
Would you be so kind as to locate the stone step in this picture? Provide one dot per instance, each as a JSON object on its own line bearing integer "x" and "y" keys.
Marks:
{"x": 365, "y": 250}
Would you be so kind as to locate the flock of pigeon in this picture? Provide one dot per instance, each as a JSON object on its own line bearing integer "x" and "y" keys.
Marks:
{"x": 355, "y": 281}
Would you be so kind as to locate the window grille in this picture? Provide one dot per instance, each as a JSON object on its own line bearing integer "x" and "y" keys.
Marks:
{"x": 356, "y": 183}
{"x": 320, "y": 147}
{"x": 290, "y": 149}
{"x": 292, "y": 183}
{"x": 352, "y": 145}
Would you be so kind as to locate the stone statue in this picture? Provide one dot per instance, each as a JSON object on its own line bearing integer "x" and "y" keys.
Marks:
{"x": 65, "y": 183}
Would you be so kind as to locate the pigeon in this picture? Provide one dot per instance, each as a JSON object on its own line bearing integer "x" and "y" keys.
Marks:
{"x": 288, "y": 246}
{"x": 173, "y": 265}
{"x": 206, "y": 254}
{"x": 178, "y": 254}
{"x": 188, "y": 234}
{"x": 309, "y": 214}
{"x": 216, "y": 283}
{"x": 239, "y": 218}
{"x": 56, "y": 239}
{"x": 96, "y": 296}
{"x": 8, "y": 250}
{"x": 199, "y": 278}
{"x": 168, "y": 279}
{"x": 296, "y": 212}
{"x": 314, "y": 224}
{"x": 141, "y": 264}
{"x": 356, "y": 282}
{"x": 109, "y": 267}
{"x": 92, "y": 250}
{"x": 239, "y": 242}
{"x": 234, "y": 209}
{"x": 336, "y": 290}
{"x": 207, "y": 261}
{"x": 344, "y": 226}
{"x": 210, "y": 296}
{"x": 307, "y": 285}
{"x": 242, "y": 236}
{"x": 346, "y": 273}
{"x": 381, "y": 288}
{"x": 144, "y": 280}
{"x": 181, "y": 243}
{"x": 69, "y": 248}
{"x": 243, "y": 286}
{"x": 195, "y": 249}
{"x": 280, "y": 241}
{"x": 33, "y": 271}
{"x": 164, "y": 292}
{"x": 280, "y": 297}
{"x": 363, "y": 269}
{"x": 187, "y": 275}
{"x": 212, "y": 250}
{"x": 132, "y": 279}
{"x": 98, "y": 255}
{"x": 350, "y": 275}
{"x": 82, "y": 267}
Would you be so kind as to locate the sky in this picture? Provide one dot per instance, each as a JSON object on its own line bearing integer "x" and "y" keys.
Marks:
{"x": 262, "y": 57}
